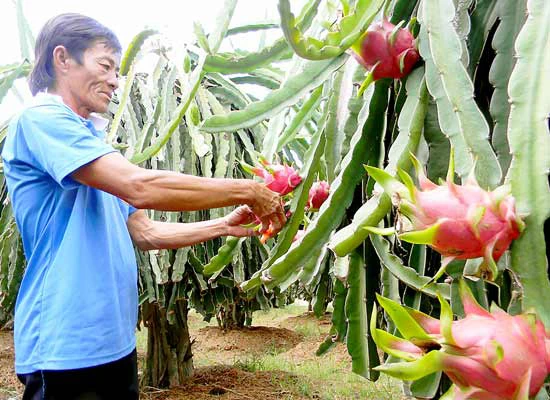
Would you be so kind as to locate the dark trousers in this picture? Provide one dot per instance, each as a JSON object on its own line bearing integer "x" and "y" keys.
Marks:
{"x": 113, "y": 381}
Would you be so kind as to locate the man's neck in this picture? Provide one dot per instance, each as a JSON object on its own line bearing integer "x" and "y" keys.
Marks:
{"x": 70, "y": 101}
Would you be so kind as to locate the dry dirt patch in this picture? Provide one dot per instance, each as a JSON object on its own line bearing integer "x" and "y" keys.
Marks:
{"x": 223, "y": 346}
{"x": 228, "y": 383}
{"x": 215, "y": 353}
{"x": 8, "y": 379}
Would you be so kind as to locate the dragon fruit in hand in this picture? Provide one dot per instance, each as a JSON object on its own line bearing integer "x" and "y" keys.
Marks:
{"x": 282, "y": 179}
{"x": 279, "y": 178}
{"x": 487, "y": 355}
{"x": 458, "y": 221}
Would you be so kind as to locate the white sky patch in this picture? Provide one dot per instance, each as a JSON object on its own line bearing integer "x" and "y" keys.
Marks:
{"x": 127, "y": 18}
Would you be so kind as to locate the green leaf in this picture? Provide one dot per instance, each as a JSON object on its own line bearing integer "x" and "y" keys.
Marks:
{"x": 357, "y": 318}
{"x": 438, "y": 145}
{"x": 352, "y": 26}
{"x": 446, "y": 117}
{"x": 402, "y": 10}
{"x": 122, "y": 104}
{"x": 274, "y": 276}
{"x": 405, "y": 323}
{"x": 426, "y": 387}
{"x": 332, "y": 211}
{"x": 233, "y": 63}
{"x": 251, "y": 28}
{"x": 320, "y": 296}
{"x": 333, "y": 133}
{"x": 302, "y": 116}
{"x": 529, "y": 144}
{"x": 311, "y": 166}
{"x": 311, "y": 270}
{"x": 425, "y": 236}
{"x": 235, "y": 94}
{"x": 202, "y": 39}
{"x": 296, "y": 87}
{"x": 512, "y": 15}
{"x": 391, "y": 185}
{"x": 414, "y": 370}
{"x": 405, "y": 274}
{"x": 482, "y": 19}
{"x": 446, "y": 51}
{"x": 257, "y": 79}
{"x": 410, "y": 123}
{"x": 223, "y": 258}
{"x": 339, "y": 327}
{"x": 167, "y": 130}
{"x": 222, "y": 23}
{"x": 393, "y": 345}
{"x": 133, "y": 49}
{"x": 26, "y": 38}
{"x": 8, "y": 79}
{"x": 446, "y": 319}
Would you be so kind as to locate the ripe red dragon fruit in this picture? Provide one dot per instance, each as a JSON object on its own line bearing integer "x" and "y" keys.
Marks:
{"x": 458, "y": 221}
{"x": 282, "y": 179}
{"x": 317, "y": 195}
{"x": 386, "y": 50}
{"x": 487, "y": 355}
{"x": 279, "y": 178}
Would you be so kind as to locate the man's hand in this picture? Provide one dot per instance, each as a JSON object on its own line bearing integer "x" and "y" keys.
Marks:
{"x": 268, "y": 207}
{"x": 240, "y": 216}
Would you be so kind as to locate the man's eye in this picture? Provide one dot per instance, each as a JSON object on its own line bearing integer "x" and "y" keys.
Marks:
{"x": 105, "y": 67}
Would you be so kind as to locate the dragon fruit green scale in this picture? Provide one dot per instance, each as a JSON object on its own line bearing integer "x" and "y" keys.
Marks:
{"x": 458, "y": 221}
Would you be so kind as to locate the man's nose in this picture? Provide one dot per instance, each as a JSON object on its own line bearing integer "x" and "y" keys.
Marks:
{"x": 113, "y": 81}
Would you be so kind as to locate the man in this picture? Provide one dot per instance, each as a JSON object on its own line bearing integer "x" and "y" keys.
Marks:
{"x": 78, "y": 205}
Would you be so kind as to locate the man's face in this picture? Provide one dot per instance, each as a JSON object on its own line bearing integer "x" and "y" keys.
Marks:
{"x": 93, "y": 82}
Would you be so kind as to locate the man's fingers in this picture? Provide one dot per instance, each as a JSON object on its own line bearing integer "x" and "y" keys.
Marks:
{"x": 278, "y": 220}
{"x": 266, "y": 224}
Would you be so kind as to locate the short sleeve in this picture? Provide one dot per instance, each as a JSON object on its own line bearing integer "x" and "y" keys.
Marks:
{"x": 59, "y": 142}
{"x": 131, "y": 210}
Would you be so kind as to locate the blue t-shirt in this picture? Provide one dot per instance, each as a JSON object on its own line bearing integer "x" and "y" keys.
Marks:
{"x": 77, "y": 304}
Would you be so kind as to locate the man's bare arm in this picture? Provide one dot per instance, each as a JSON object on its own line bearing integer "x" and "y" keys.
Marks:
{"x": 148, "y": 234}
{"x": 172, "y": 191}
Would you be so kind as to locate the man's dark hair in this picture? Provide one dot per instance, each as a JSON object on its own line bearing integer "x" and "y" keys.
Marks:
{"x": 76, "y": 33}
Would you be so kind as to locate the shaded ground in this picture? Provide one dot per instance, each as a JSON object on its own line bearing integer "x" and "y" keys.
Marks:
{"x": 8, "y": 381}
{"x": 273, "y": 361}
{"x": 225, "y": 382}
{"x": 209, "y": 382}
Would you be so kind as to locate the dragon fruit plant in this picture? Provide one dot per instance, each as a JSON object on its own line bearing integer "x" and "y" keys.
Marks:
{"x": 386, "y": 51}
{"x": 487, "y": 355}
{"x": 458, "y": 221}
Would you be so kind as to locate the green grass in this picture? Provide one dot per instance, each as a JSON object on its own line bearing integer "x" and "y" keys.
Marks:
{"x": 327, "y": 378}
{"x": 324, "y": 378}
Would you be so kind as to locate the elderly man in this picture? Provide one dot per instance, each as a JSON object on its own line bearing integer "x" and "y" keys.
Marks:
{"x": 79, "y": 204}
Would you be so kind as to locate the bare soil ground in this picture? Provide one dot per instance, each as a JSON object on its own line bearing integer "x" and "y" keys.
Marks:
{"x": 224, "y": 369}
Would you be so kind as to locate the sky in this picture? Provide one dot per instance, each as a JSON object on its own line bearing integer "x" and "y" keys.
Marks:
{"x": 126, "y": 18}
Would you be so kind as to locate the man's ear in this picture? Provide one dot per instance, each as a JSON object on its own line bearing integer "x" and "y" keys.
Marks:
{"x": 61, "y": 59}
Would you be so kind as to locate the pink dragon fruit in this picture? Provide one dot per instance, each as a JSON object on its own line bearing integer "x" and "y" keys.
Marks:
{"x": 487, "y": 355}
{"x": 279, "y": 178}
{"x": 458, "y": 221}
{"x": 317, "y": 195}
{"x": 386, "y": 50}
